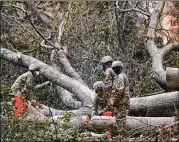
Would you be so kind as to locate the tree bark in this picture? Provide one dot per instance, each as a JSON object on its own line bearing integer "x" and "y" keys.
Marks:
{"x": 66, "y": 64}
{"x": 150, "y": 122}
{"x": 103, "y": 123}
{"x": 172, "y": 78}
{"x": 34, "y": 115}
{"x": 161, "y": 105}
{"x": 68, "y": 98}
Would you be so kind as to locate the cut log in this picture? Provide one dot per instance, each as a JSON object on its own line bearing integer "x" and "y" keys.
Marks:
{"x": 103, "y": 123}
{"x": 172, "y": 77}
{"x": 34, "y": 115}
{"x": 151, "y": 122}
{"x": 161, "y": 105}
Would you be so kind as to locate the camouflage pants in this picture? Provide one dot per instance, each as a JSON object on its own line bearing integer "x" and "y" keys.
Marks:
{"x": 120, "y": 111}
{"x": 117, "y": 106}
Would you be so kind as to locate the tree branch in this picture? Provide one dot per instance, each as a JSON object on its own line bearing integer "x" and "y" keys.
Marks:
{"x": 168, "y": 48}
{"x": 42, "y": 85}
{"x": 157, "y": 57}
{"x": 134, "y": 9}
{"x": 38, "y": 32}
{"x": 66, "y": 64}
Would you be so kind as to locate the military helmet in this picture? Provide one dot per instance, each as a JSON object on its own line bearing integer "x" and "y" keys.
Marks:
{"x": 106, "y": 59}
{"x": 33, "y": 67}
{"x": 117, "y": 64}
{"x": 98, "y": 84}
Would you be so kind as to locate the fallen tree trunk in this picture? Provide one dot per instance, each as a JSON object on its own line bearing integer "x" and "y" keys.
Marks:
{"x": 161, "y": 105}
{"x": 150, "y": 122}
{"x": 157, "y": 105}
{"x": 48, "y": 111}
{"x": 67, "y": 98}
{"x": 34, "y": 115}
{"x": 103, "y": 123}
{"x": 66, "y": 64}
{"x": 172, "y": 76}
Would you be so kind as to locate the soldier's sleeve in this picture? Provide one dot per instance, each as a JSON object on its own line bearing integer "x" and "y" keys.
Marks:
{"x": 119, "y": 85}
{"x": 19, "y": 83}
{"x": 107, "y": 75}
{"x": 29, "y": 81}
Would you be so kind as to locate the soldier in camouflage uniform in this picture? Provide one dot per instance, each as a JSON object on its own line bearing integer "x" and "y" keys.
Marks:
{"x": 120, "y": 99}
{"x": 108, "y": 75}
{"x": 24, "y": 83}
{"x": 99, "y": 87}
{"x": 22, "y": 88}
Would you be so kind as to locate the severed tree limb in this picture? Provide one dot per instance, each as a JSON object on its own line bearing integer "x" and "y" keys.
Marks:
{"x": 100, "y": 123}
{"x": 68, "y": 98}
{"x": 42, "y": 85}
{"x": 161, "y": 105}
{"x": 172, "y": 75}
{"x": 57, "y": 113}
{"x": 103, "y": 123}
{"x": 66, "y": 64}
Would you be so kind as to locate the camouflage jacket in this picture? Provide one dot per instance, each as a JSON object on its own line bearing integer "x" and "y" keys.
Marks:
{"x": 107, "y": 77}
{"x": 120, "y": 91}
{"x": 23, "y": 84}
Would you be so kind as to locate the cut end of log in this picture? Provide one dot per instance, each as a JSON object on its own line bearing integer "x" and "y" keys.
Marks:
{"x": 172, "y": 76}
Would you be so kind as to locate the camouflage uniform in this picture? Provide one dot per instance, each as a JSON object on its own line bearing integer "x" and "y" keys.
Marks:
{"x": 121, "y": 95}
{"x": 106, "y": 75}
{"x": 23, "y": 84}
{"x": 120, "y": 98}
{"x": 109, "y": 78}
{"x": 101, "y": 101}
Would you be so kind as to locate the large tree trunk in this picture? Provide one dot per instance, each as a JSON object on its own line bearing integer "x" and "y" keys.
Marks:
{"x": 152, "y": 122}
{"x": 68, "y": 98}
{"x": 103, "y": 123}
{"x": 161, "y": 105}
{"x": 172, "y": 78}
